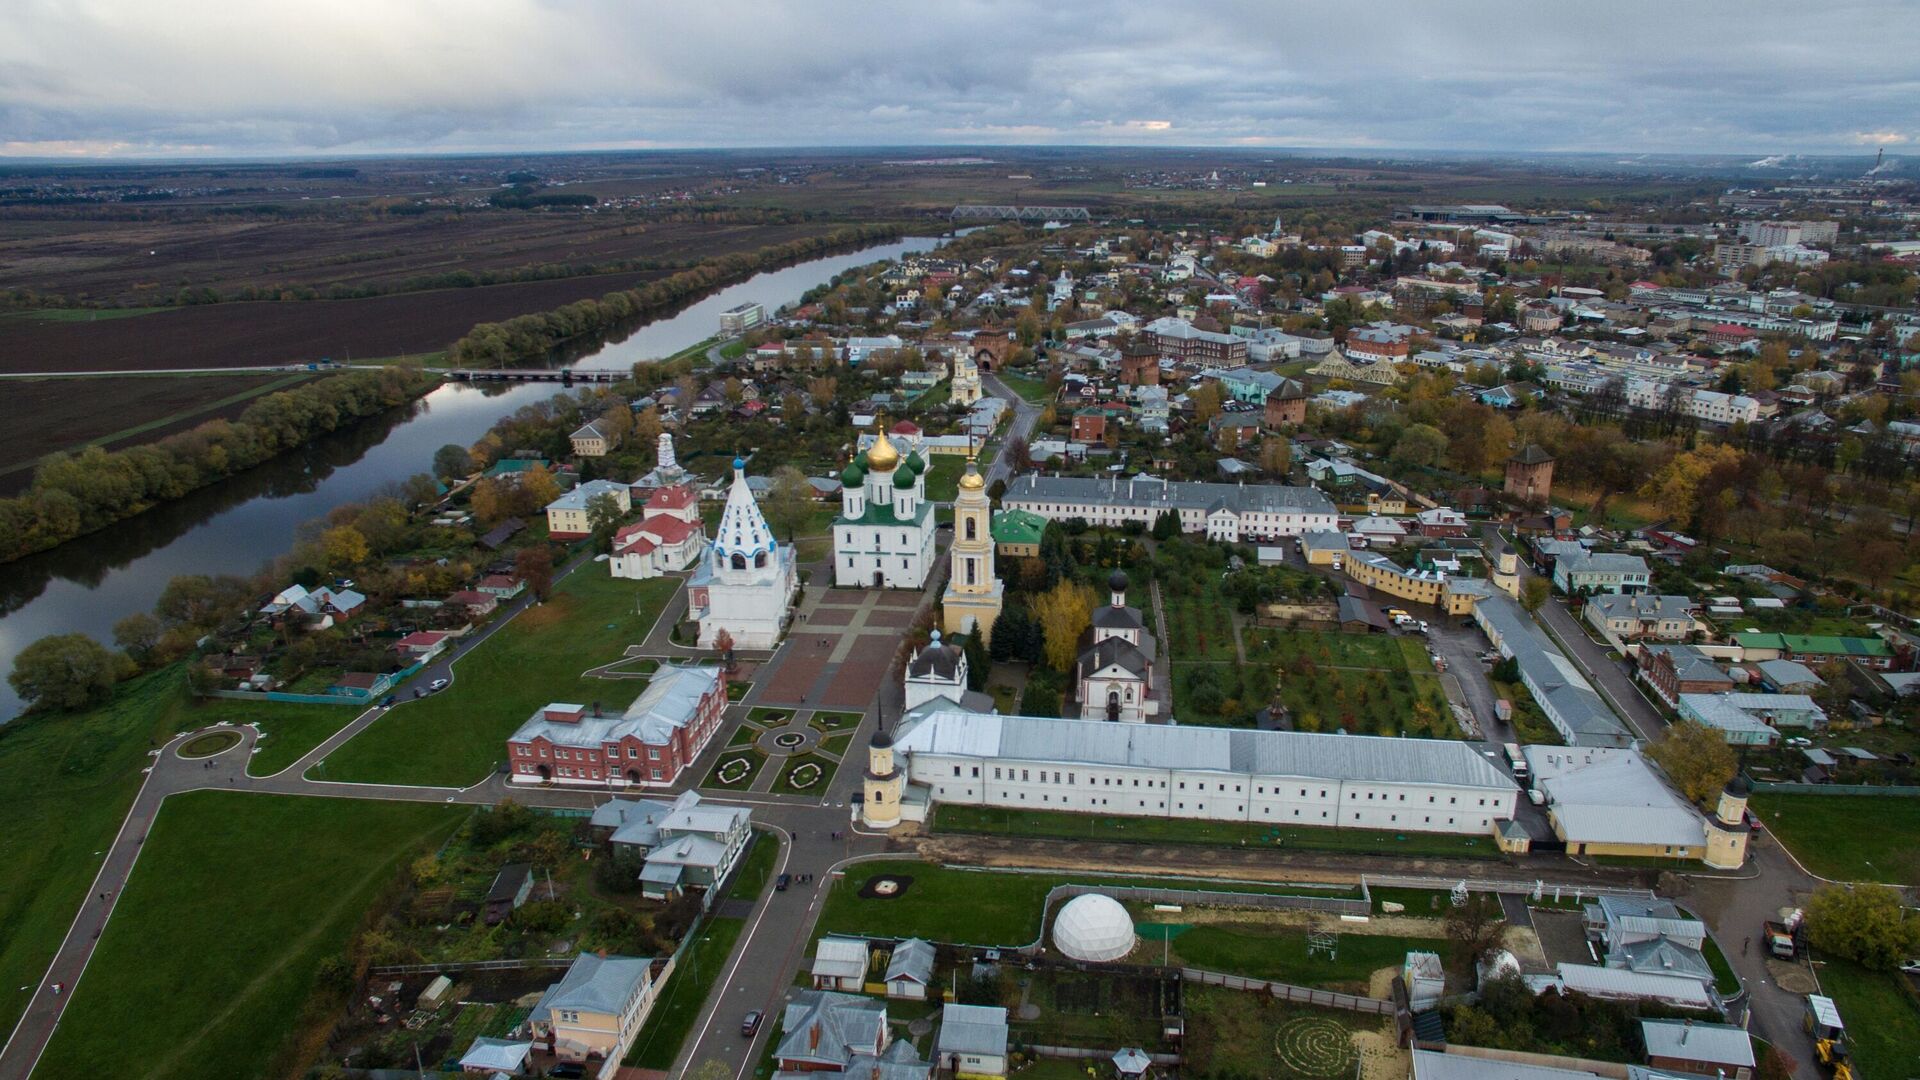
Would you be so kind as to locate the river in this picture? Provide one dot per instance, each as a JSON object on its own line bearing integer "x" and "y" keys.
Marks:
{"x": 239, "y": 524}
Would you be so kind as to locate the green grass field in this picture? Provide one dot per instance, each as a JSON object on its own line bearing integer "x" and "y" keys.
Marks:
{"x": 454, "y": 737}
{"x": 1033, "y": 390}
{"x": 785, "y": 784}
{"x": 66, "y": 781}
{"x": 288, "y": 731}
{"x": 1883, "y": 1023}
{"x": 976, "y": 907}
{"x": 658, "y": 1043}
{"x": 211, "y": 952}
{"x": 1263, "y": 953}
{"x": 1847, "y": 837}
{"x": 1057, "y": 824}
{"x": 751, "y": 879}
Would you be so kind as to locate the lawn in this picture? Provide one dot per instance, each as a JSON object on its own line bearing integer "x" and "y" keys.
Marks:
{"x": 68, "y": 780}
{"x": 977, "y": 907}
{"x": 1200, "y": 626}
{"x": 820, "y": 771}
{"x": 1032, "y": 390}
{"x": 1847, "y": 837}
{"x": 834, "y": 721}
{"x": 455, "y": 737}
{"x": 686, "y": 991}
{"x": 1386, "y": 652}
{"x": 751, "y": 879}
{"x": 739, "y": 777}
{"x": 211, "y": 953}
{"x": 289, "y": 731}
{"x": 1055, "y": 824}
{"x": 1237, "y": 1034}
{"x": 1368, "y": 702}
{"x": 1883, "y": 1023}
{"x": 1281, "y": 955}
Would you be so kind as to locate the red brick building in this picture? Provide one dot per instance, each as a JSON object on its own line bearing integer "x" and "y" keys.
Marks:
{"x": 1530, "y": 474}
{"x": 1089, "y": 426}
{"x": 1286, "y": 404}
{"x": 649, "y": 744}
{"x": 1140, "y": 364}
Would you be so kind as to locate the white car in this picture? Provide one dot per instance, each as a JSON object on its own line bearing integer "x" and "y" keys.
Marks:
{"x": 437, "y": 685}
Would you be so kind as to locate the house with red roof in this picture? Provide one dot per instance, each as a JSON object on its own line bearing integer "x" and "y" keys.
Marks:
{"x": 667, "y": 539}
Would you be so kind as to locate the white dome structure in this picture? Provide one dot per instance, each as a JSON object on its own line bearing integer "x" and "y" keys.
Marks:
{"x": 1093, "y": 927}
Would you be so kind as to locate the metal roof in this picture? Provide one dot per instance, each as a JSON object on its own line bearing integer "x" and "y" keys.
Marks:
{"x": 972, "y": 1029}
{"x": 1720, "y": 1044}
{"x": 1149, "y": 491}
{"x": 1270, "y": 753}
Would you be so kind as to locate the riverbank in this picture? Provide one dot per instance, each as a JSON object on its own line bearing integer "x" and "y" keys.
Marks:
{"x": 73, "y": 496}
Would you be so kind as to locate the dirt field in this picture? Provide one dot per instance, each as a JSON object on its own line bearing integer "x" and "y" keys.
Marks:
{"x": 47, "y": 415}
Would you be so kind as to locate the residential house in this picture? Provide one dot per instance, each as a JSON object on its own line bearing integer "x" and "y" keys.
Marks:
{"x": 1585, "y": 571}
{"x": 317, "y": 609}
{"x": 1631, "y": 617}
{"x": 1687, "y": 1046}
{"x": 683, "y": 845}
{"x": 593, "y": 439}
{"x": 1016, "y": 533}
{"x": 910, "y": 970}
{"x": 1868, "y": 652}
{"x": 423, "y": 645}
{"x": 476, "y": 604}
{"x": 567, "y": 515}
{"x": 1753, "y": 719}
{"x": 1673, "y": 670}
{"x": 1788, "y": 677}
{"x": 972, "y": 1041}
{"x": 827, "y": 1032}
{"x": 597, "y": 1007}
{"x": 840, "y": 963}
{"x": 501, "y": 586}
{"x": 1442, "y": 521}
{"x": 1648, "y": 936}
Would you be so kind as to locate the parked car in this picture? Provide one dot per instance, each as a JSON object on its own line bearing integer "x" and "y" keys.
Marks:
{"x": 437, "y": 685}
{"x": 750, "y": 1024}
{"x": 567, "y": 1070}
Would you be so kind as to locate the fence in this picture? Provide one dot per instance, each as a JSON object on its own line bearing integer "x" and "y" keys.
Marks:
{"x": 1336, "y": 905}
{"x": 1302, "y": 995}
{"x": 472, "y": 965}
{"x": 1788, "y": 787}
{"x": 295, "y": 699}
{"x": 1078, "y": 1053}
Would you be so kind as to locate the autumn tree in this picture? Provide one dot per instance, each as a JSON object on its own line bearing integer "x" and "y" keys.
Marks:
{"x": 603, "y": 517}
{"x": 647, "y": 426}
{"x": 790, "y": 500}
{"x": 343, "y": 547}
{"x": 534, "y": 566}
{"x": 1276, "y": 456}
{"x": 1419, "y": 444}
{"x": 67, "y": 671}
{"x": 452, "y": 460}
{"x": 490, "y": 501}
{"x": 538, "y": 487}
{"x": 138, "y": 634}
{"x": 1678, "y": 487}
{"x": 1473, "y": 930}
{"x": 1064, "y": 613}
{"x": 1534, "y": 593}
{"x": 1864, "y": 923}
{"x": 1205, "y": 401}
{"x": 1697, "y": 758}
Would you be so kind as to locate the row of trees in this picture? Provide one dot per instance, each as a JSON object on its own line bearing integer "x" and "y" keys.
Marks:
{"x": 75, "y": 494}
{"x": 532, "y": 337}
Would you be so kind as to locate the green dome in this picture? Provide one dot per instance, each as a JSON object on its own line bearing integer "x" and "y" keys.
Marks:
{"x": 903, "y": 479}
{"x": 917, "y": 463}
{"x": 853, "y": 475}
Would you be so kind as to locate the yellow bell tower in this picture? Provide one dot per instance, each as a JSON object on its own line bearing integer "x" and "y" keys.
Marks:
{"x": 974, "y": 594}
{"x": 882, "y": 784}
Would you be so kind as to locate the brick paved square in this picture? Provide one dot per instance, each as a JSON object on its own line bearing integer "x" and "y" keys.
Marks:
{"x": 860, "y": 674}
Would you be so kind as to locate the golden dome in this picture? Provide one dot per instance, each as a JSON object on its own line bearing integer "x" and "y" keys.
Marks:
{"x": 972, "y": 480}
{"x": 881, "y": 456}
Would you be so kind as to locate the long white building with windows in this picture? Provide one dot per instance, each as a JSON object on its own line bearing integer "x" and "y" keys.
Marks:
{"x": 1146, "y": 770}
{"x": 1228, "y": 512}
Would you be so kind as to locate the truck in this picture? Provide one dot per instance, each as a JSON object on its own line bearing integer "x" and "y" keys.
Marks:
{"x": 1503, "y": 709}
{"x": 1516, "y": 761}
{"x": 1783, "y": 934}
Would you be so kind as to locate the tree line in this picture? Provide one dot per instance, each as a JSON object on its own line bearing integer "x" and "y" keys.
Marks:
{"x": 530, "y": 338}
{"x": 73, "y": 494}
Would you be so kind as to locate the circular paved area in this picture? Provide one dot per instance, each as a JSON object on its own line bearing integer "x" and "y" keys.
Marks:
{"x": 791, "y": 738}
{"x": 211, "y": 744}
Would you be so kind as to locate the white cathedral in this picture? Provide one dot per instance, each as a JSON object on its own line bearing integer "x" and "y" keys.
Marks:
{"x": 883, "y": 538}
{"x": 747, "y": 583}
{"x": 965, "y": 388}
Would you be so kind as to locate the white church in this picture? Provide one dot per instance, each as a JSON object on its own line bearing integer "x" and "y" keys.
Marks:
{"x": 747, "y": 583}
{"x": 883, "y": 538}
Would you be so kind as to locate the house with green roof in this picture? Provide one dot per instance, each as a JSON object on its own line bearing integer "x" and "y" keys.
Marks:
{"x": 1813, "y": 649}
{"x": 1016, "y": 533}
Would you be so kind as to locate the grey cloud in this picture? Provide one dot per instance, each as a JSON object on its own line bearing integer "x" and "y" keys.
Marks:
{"x": 390, "y": 75}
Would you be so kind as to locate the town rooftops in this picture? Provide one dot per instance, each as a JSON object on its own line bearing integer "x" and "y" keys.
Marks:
{"x": 1605, "y": 562}
{"x": 972, "y": 1029}
{"x": 1018, "y": 527}
{"x": 1685, "y": 1040}
{"x": 1645, "y": 606}
{"x": 1602, "y": 795}
{"x": 1815, "y": 644}
{"x": 1273, "y": 753}
{"x": 594, "y": 983}
{"x": 578, "y": 497}
{"x": 1550, "y": 675}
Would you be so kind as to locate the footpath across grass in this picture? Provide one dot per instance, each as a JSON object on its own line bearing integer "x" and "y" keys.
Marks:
{"x": 66, "y": 782}
{"x": 1059, "y": 825}
{"x": 289, "y": 731}
{"x": 674, "y": 1014}
{"x": 1847, "y": 837}
{"x": 211, "y": 953}
{"x": 455, "y": 737}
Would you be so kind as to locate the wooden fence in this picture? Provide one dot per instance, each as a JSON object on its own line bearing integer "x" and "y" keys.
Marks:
{"x": 1302, "y": 995}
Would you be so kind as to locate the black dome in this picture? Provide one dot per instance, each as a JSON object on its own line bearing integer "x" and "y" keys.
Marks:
{"x": 1738, "y": 787}
{"x": 1117, "y": 581}
{"x": 881, "y": 740}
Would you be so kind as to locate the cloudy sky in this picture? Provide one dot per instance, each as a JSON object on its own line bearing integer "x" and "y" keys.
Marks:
{"x": 128, "y": 78}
